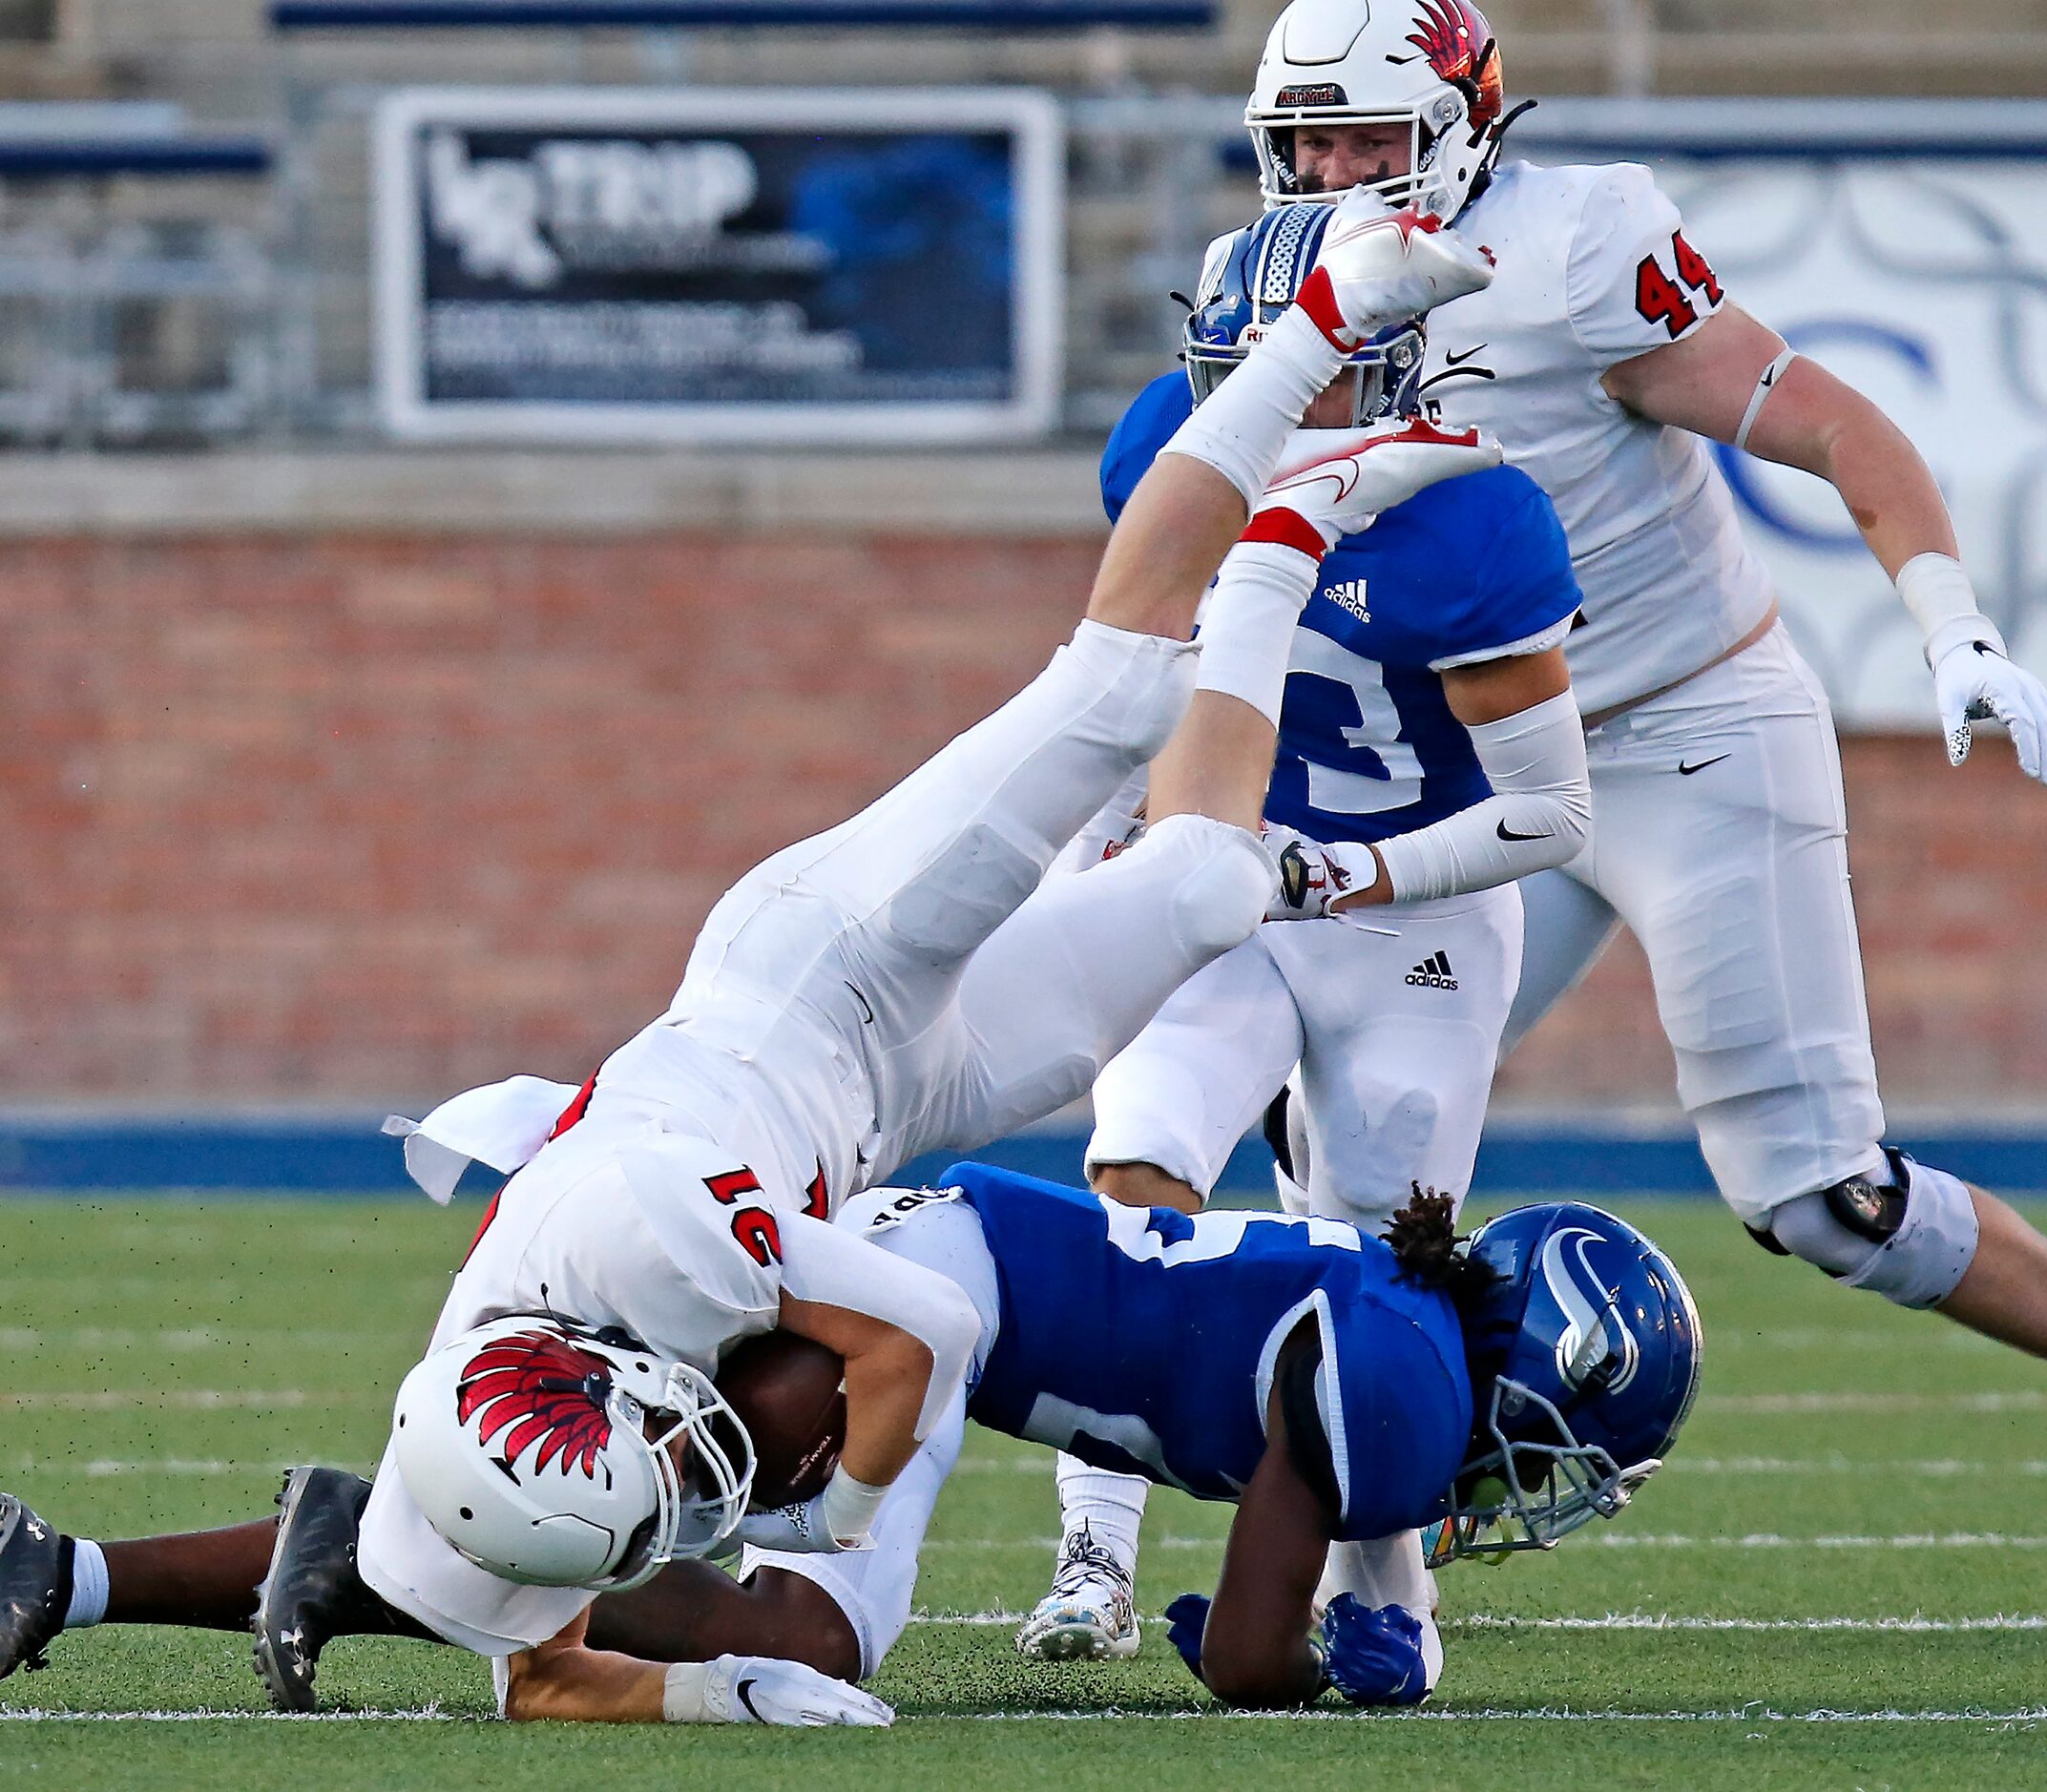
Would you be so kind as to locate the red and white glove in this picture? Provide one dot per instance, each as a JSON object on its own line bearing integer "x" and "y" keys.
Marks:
{"x": 1336, "y": 481}
{"x": 1311, "y": 875}
{"x": 1379, "y": 266}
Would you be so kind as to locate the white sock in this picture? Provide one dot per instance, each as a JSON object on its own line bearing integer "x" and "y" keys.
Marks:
{"x": 1242, "y": 427}
{"x": 88, "y": 1585}
{"x": 1112, "y": 1506}
{"x": 1387, "y": 1572}
{"x": 1247, "y": 630}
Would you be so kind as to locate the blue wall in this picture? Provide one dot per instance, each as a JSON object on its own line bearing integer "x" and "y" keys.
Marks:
{"x": 349, "y": 1156}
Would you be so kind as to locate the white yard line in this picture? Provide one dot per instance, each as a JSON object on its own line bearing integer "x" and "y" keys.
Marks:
{"x": 431, "y": 1714}
{"x": 1611, "y": 1621}
{"x": 176, "y": 1467}
{"x": 1771, "y": 1540}
{"x": 1943, "y": 1468}
{"x": 105, "y": 1400}
{"x": 2022, "y": 1400}
{"x": 1678, "y": 1621}
{"x": 175, "y": 1337}
{"x": 1847, "y": 1338}
{"x": 1616, "y": 1540}
{"x": 1931, "y": 1466}
{"x": 186, "y": 1399}
{"x": 2026, "y": 1717}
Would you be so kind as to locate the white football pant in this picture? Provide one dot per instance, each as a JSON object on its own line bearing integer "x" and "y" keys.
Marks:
{"x": 1393, "y": 1015}
{"x": 887, "y": 981}
{"x": 1719, "y": 836}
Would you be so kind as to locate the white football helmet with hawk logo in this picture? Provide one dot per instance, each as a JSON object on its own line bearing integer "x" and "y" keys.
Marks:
{"x": 1429, "y": 64}
{"x": 547, "y": 1454}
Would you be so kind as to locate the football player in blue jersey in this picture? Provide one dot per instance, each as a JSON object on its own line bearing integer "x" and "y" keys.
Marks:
{"x": 1330, "y": 1385}
{"x": 1430, "y": 753}
{"x": 1334, "y": 1385}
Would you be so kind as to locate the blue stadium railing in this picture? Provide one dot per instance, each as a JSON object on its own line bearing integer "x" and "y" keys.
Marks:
{"x": 226, "y": 1154}
{"x": 1003, "y": 16}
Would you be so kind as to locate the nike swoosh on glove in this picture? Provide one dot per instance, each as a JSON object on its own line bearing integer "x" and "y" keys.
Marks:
{"x": 754, "y": 1689}
{"x": 800, "y": 1530}
{"x": 1378, "y": 266}
{"x": 1186, "y": 1621}
{"x": 1974, "y": 682}
{"x": 1373, "y": 1653}
{"x": 1340, "y": 480}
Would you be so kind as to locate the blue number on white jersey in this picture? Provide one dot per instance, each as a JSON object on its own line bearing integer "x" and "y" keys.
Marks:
{"x": 1145, "y": 1341}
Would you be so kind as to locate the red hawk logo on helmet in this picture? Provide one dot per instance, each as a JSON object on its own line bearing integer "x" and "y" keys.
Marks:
{"x": 1454, "y": 34}
{"x": 547, "y": 1391}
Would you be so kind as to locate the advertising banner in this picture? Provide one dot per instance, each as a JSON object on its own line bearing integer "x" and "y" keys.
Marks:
{"x": 786, "y": 265}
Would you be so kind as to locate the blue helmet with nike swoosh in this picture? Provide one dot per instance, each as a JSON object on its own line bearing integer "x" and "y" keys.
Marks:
{"x": 1584, "y": 1355}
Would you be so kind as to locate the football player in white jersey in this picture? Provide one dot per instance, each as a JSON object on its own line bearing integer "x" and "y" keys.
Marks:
{"x": 1603, "y": 358}
{"x": 1431, "y": 748}
{"x": 881, "y": 990}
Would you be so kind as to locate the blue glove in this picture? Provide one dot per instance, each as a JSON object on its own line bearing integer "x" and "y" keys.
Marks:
{"x": 1373, "y": 1655}
{"x": 1188, "y": 1616}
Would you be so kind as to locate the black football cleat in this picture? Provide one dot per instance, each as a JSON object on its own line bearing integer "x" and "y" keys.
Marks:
{"x": 34, "y": 1586}
{"x": 313, "y": 1592}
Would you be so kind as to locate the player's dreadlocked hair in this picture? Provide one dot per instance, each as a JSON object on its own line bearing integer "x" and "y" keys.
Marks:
{"x": 1424, "y": 1238}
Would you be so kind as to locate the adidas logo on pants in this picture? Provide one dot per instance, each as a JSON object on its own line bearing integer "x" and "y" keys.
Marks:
{"x": 1433, "y": 973}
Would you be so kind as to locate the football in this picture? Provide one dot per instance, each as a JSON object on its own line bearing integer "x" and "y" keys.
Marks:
{"x": 787, "y": 1393}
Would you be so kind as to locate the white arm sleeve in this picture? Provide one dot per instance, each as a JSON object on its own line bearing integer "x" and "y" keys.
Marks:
{"x": 834, "y": 1267}
{"x": 1539, "y": 814}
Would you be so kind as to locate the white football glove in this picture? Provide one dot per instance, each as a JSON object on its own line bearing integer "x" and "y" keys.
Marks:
{"x": 800, "y": 1530}
{"x": 1311, "y": 875}
{"x": 1379, "y": 266}
{"x": 756, "y": 1689}
{"x": 1974, "y": 682}
{"x": 1340, "y": 479}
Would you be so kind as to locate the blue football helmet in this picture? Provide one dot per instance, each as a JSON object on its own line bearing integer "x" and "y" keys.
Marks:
{"x": 1584, "y": 1356}
{"x": 1252, "y": 276}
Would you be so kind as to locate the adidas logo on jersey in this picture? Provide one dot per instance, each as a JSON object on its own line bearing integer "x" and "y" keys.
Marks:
{"x": 1349, "y": 596}
{"x": 1434, "y": 973}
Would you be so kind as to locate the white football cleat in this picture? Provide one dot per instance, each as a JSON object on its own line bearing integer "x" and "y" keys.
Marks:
{"x": 1378, "y": 266}
{"x": 1090, "y": 1615}
{"x": 1340, "y": 480}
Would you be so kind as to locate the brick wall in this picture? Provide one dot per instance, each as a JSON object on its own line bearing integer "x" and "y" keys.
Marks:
{"x": 352, "y": 818}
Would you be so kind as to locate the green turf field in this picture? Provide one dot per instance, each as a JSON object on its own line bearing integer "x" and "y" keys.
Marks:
{"x": 1841, "y": 1579}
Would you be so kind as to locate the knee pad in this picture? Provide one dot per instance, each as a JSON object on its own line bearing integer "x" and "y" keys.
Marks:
{"x": 1225, "y": 885}
{"x": 1910, "y": 1240}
